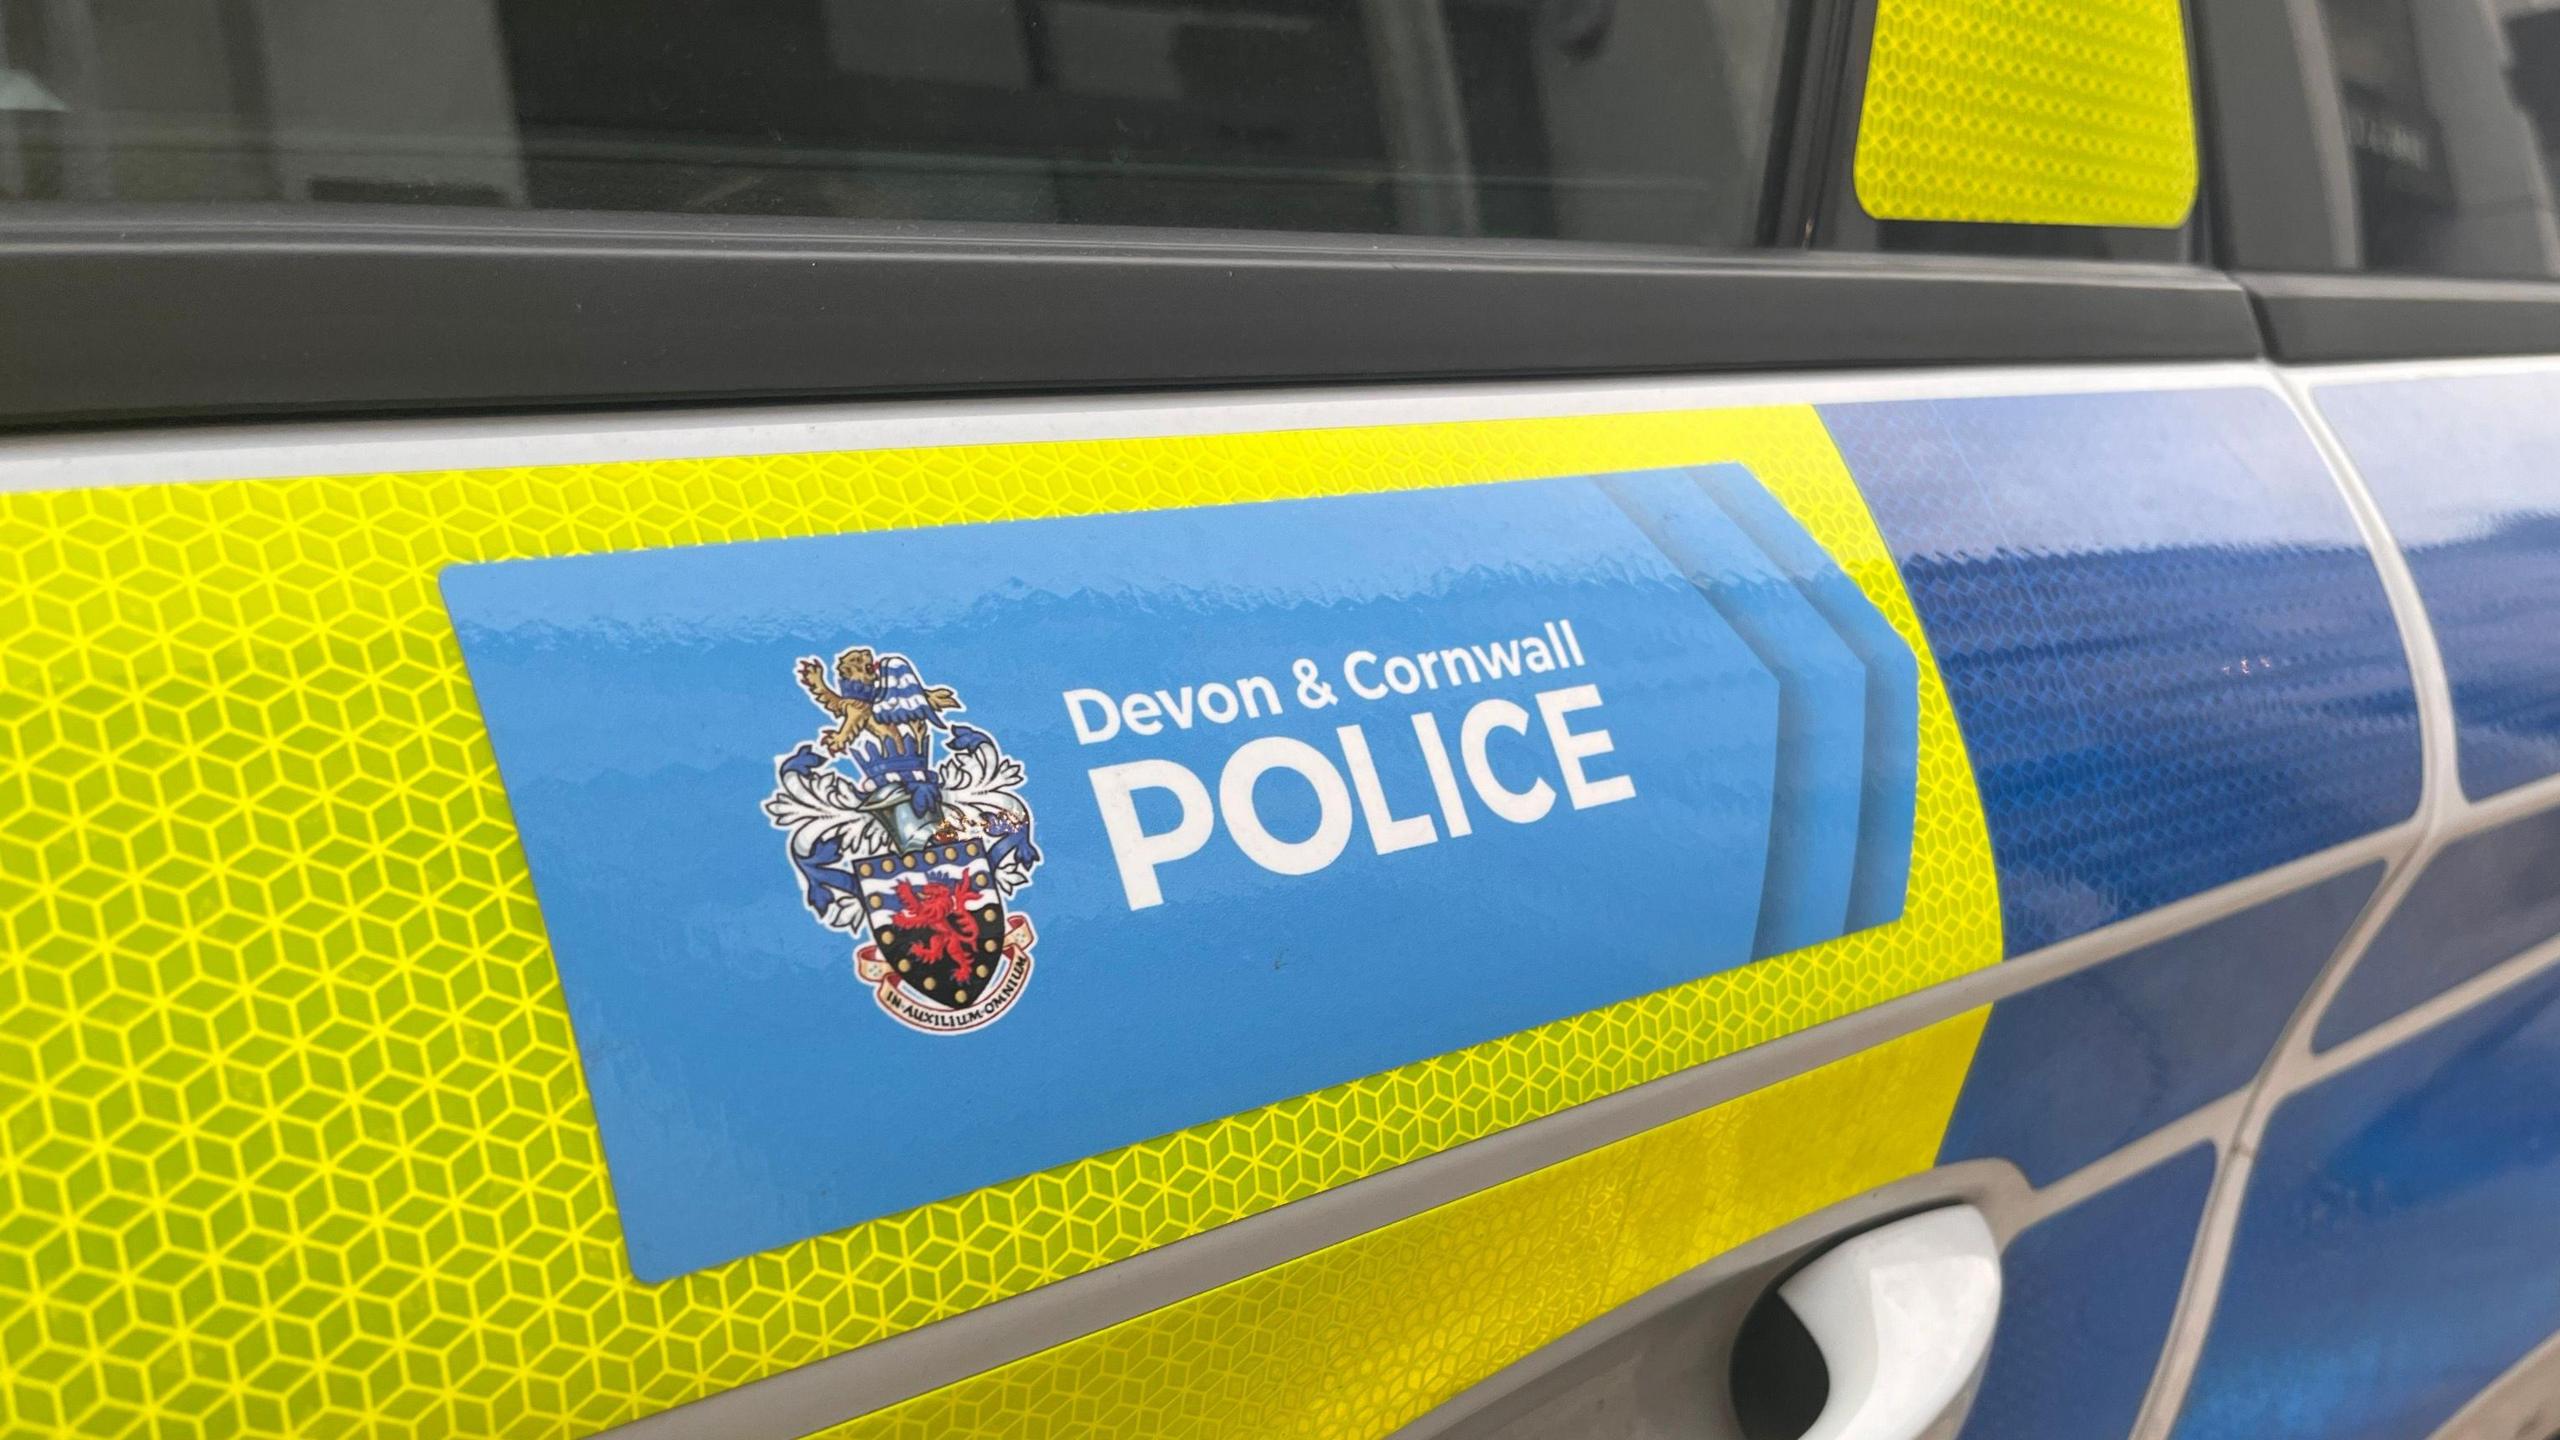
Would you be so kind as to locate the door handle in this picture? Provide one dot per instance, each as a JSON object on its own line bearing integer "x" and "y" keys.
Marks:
{"x": 1903, "y": 1314}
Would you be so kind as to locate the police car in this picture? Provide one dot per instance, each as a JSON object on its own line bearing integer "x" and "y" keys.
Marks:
{"x": 1204, "y": 718}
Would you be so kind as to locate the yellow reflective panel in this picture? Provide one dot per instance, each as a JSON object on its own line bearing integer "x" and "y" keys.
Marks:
{"x": 293, "y": 1137}
{"x": 2036, "y": 112}
{"x": 1360, "y": 1338}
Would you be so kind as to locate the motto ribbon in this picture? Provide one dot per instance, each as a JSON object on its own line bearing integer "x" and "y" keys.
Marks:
{"x": 918, "y": 1014}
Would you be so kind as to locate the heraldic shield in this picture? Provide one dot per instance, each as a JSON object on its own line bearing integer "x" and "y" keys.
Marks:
{"x": 943, "y": 952}
{"x": 937, "y": 923}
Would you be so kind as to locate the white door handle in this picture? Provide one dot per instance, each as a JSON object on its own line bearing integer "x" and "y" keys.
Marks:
{"x": 1903, "y": 1314}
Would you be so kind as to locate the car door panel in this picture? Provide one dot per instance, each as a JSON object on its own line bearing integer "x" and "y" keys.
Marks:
{"x": 361, "y": 963}
{"x": 2403, "y": 1108}
{"x": 358, "y": 648}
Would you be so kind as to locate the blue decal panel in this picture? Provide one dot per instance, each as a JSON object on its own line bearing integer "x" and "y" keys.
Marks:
{"x": 2483, "y": 900}
{"x": 2398, "y": 1249}
{"x": 881, "y": 867}
{"x": 2461, "y": 467}
{"x": 2168, "y": 646}
{"x": 2068, "y": 1072}
{"x": 2086, "y": 1299}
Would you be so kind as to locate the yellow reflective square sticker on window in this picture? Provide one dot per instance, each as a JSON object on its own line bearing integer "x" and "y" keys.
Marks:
{"x": 2034, "y": 112}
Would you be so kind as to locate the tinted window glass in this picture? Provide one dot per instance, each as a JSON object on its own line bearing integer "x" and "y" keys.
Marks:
{"x": 1614, "y": 120}
{"x": 2451, "y": 110}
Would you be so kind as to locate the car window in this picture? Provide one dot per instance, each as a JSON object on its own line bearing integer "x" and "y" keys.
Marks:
{"x": 1596, "y": 120}
{"x": 2450, "y": 112}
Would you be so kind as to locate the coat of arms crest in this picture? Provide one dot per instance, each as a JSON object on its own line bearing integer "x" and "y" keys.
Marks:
{"x": 912, "y": 853}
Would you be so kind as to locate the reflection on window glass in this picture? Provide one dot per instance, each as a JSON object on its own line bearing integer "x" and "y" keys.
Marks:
{"x": 2452, "y": 116}
{"x": 1615, "y": 120}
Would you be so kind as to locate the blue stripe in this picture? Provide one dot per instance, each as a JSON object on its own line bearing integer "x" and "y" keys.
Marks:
{"x": 2163, "y": 635}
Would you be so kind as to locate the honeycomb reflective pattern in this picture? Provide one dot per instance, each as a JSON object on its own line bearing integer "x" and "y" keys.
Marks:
{"x": 2170, "y": 648}
{"x": 292, "y": 1131}
{"x": 1363, "y": 1337}
{"x": 2037, "y": 112}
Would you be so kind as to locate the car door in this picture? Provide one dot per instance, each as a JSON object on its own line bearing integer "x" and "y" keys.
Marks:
{"x": 1232, "y": 719}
